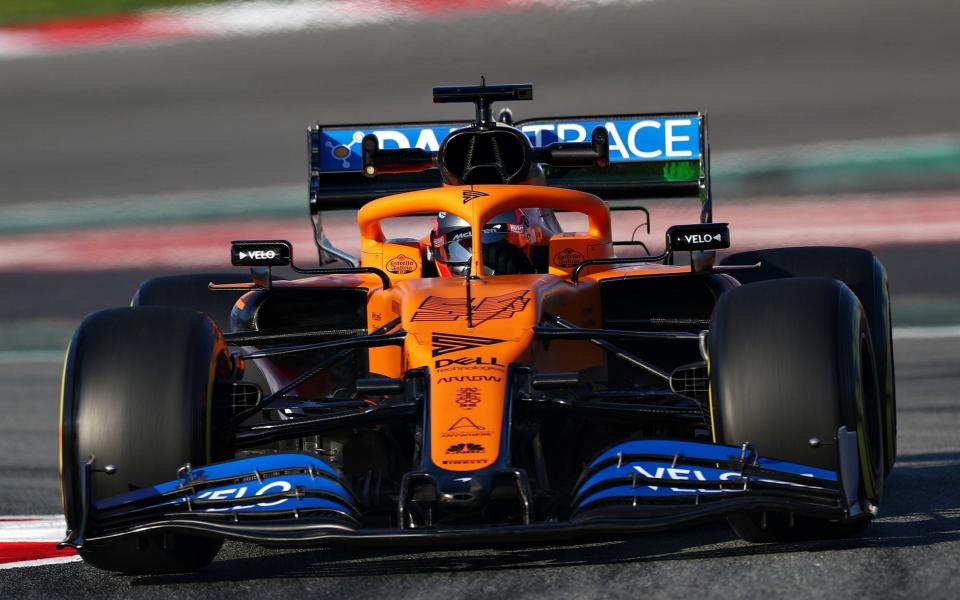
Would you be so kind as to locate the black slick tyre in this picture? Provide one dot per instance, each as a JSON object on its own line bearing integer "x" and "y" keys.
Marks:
{"x": 139, "y": 394}
{"x": 791, "y": 360}
{"x": 865, "y": 275}
{"x": 192, "y": 292}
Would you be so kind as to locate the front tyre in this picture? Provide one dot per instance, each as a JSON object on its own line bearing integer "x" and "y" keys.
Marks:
{"x": 791, "y": 360}
{"x": 139, "y": 393}
{"x": 866, "y": 277}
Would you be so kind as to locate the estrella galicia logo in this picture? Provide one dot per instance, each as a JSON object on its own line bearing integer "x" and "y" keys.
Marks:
{"x": 402, "y": 264}
{"x": 446, "y": 343}
{"x": 568, "y": 257}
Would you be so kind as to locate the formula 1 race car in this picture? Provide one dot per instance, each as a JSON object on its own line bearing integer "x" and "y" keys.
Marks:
{"x": 498, "y": 379}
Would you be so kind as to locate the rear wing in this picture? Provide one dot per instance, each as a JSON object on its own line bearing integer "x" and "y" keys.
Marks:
{"x": 651, "y": 156}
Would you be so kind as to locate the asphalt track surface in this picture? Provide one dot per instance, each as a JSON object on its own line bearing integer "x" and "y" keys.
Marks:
{"x": 231, "y": 113}
{"x": 911, "y": 551}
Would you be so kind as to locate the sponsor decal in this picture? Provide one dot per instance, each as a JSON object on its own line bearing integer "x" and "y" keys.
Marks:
{"x": 446, "y": 343}
{"x": 476, "y": 461}
{"x": 465, "y": 427}
{"x": 468, "y": 397}
{"x": 568, "y": 257}
{"x": 435, "y": 308}
{"x": 468, "y": 361}
{"x": 465, "y": 448}
{"x": 342, "y": 145}
{"x": 700, "y": 236}
{"x": 401, "y": 265}
{"x": 705, "y": 238}
{"x": 469, "y": 195}
{"x": 469, "y": 379}
{"x": 465, "y": 424}
{"x": 632, "y": 139}
{"x": 679, "y": 474}
{"x": 340, "y": 152}
{"x": 466, "y": 234}
{"x": 260, "y": 253}
{"x": 274, "y": 487}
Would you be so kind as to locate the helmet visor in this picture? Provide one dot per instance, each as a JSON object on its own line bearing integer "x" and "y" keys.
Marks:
{"x": 455, "y": 246}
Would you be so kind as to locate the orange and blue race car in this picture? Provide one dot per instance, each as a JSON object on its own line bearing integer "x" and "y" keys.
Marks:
{"x": 495, "y": 379}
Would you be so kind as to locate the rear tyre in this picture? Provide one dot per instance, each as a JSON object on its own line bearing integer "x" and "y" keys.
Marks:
{"x": 791, "y": 360}
{"x": 138, "y": 393}
{"x": 192, "y": 292}
{"x": 865, "y": 275}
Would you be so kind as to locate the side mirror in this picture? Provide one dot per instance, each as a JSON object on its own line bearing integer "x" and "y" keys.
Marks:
{"x": 595, "y": 153}
{"x": 261, "y": 253}
{"x": 377, "y": 161}
{"x": 698, "y": 237}
{"x": 261, "y": 256}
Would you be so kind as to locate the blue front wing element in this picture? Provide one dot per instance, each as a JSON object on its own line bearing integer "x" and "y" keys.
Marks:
{"x": 268, "y": 483}
{"x": 648, "y": 469}
{"x": 632, "y": 139}
{"x": 640, "y": 485}
{"x": 635, "y": 472}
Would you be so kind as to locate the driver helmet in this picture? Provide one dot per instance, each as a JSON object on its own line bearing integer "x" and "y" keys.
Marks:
{"x": 451, "y": 243}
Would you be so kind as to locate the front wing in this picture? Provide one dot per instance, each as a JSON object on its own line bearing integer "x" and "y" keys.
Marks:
{"x": 298, "y": 500}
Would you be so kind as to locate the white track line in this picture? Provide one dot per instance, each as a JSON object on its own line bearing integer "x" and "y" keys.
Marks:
{"x": 933, "y": 332}
{"x": 23, "y": 357}
{"x": 32, "y": 528}
{"x": 41, "y": 562}
{"x": 252, "y": 18}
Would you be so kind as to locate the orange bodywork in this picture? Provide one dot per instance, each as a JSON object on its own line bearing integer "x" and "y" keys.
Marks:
{"x": 468, "y": 358}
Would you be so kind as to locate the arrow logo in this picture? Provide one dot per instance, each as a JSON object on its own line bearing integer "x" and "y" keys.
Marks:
{"x": 243, "y": 255}
{"x": 445, "y": 343}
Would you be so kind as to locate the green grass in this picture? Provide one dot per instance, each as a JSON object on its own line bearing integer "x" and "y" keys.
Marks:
{"x": 19, "y": 12}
